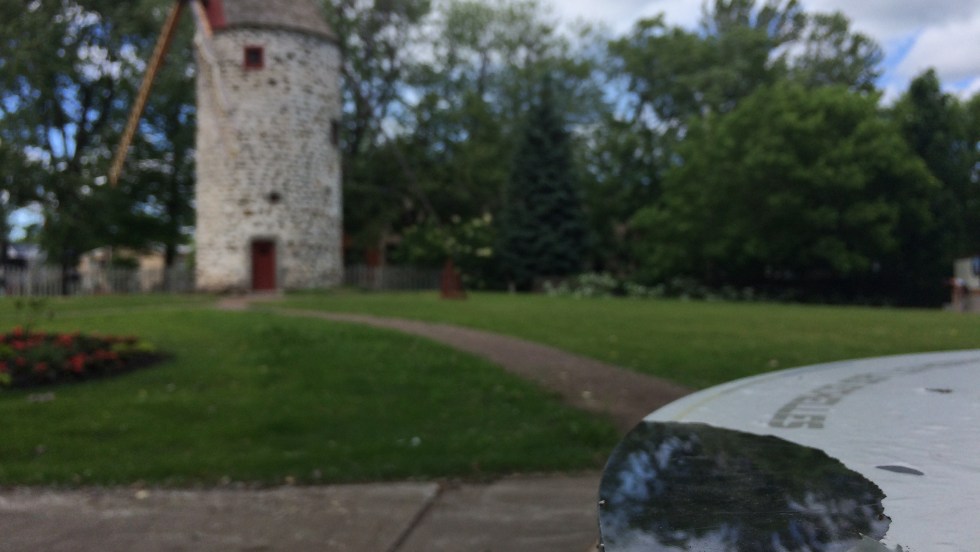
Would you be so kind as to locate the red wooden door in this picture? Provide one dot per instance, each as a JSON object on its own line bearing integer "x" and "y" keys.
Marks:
{"x": 263, "y": 265}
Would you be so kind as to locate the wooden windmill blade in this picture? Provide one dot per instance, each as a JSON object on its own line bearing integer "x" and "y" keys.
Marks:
{"x": 201, "y": 16}
{"x": 156, "y": 60}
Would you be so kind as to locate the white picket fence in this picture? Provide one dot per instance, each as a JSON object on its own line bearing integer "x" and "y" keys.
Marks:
{"x": 46, "y": 281}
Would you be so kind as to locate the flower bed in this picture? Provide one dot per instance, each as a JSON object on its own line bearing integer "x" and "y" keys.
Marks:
{"x": 30, "y": 359}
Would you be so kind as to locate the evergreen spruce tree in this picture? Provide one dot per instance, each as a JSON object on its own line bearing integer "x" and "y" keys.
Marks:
{"x": 542, "y": 231}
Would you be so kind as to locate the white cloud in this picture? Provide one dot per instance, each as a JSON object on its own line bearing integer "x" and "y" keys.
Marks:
{"x": 679, "y": 12}
{"x": 621, "y": 14}
{"x": 971, "y": 89}
{"x": 943, "y": 33}
{"x": 886, "y": 20}
{"x": 952, "y": 48}
{"x": 891, "y": 92}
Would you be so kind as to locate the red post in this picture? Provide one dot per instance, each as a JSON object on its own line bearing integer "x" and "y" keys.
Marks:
{"x": 451, "y": 284}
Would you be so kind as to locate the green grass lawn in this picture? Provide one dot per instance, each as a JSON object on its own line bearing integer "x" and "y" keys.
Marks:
{"x": 25, "y": 311}
{"x": 260, "y": 398}
{"x": 693, "y": 343}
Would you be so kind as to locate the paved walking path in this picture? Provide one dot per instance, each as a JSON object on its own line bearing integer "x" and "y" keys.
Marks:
{"x": 582, "y": 382}
{"x": 551, "y": 513}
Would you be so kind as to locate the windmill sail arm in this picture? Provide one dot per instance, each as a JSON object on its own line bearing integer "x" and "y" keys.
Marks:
{"x": 208, "y": 57}
{"x": 209, "y": 62}
{"x": 156, "y": 60}
{"x": 203, "y": 22}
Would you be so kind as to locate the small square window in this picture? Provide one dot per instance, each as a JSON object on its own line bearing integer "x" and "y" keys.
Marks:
{"x": 254, "y": 57}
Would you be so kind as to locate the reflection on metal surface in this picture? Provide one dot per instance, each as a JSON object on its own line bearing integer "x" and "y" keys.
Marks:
{"x": 685, "y": 486}
{"x": 870, "y": 545}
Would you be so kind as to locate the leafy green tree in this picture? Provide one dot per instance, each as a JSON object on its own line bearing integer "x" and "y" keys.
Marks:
{"x": 153, "y": 204}
{"x": 673, "y": 78}
{"x": 622, "y": 166}
{"x": 486, "y": 59}
{"x": 936, "y": 127}
{"x": 68, "y": 72}
{"x": 453, "y": 98}
{"x": 833, "y": 54}
{"x": 7, "y": 202}
{"x": 12, "y": 188}
{"x": 805, "y": 191}
{"x": 973, "y": 114}
{"x": 543, "y": 231}
{"x": 675, "y": 74}
{"x": 746, "y": 44}
{"x": 469, "y": 243}
{"x": 377, "y": 39}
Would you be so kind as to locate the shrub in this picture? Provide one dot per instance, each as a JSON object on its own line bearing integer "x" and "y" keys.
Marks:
{"x": 593, "y": 284}
{"x": 469, "y": 243}
{"x": 599, "y": 284}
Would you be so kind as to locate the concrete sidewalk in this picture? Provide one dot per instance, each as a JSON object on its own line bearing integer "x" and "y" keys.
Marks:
{"x": 521, "y": 513}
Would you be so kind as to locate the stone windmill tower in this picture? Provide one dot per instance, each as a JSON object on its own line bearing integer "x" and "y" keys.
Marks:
{"x": 268, "y": 163}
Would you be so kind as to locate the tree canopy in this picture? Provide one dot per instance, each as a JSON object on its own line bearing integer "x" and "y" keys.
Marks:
{"x": 796, "y": 189}
{"x": 542, "y": 229}
{"x": 68, "y": 73}
{"x": 751, "y": 151}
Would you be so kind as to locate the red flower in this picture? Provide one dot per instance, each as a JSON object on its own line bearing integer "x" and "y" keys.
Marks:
{"x": 18, "y": 331}
{"x": 20, "y": 361}
{"x": 77, "y": 363}
{"x": 40, "y": 367}
{"x": 3, "y": 367}
{"x": 66, "y": 340}
{"x": 18, "y": 345}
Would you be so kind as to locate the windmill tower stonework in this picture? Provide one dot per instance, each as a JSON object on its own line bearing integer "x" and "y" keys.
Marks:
{"x": 268, "y": 165}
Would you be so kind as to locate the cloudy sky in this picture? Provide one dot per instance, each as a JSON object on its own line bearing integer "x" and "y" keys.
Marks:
{"x": 915, "y": 34}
